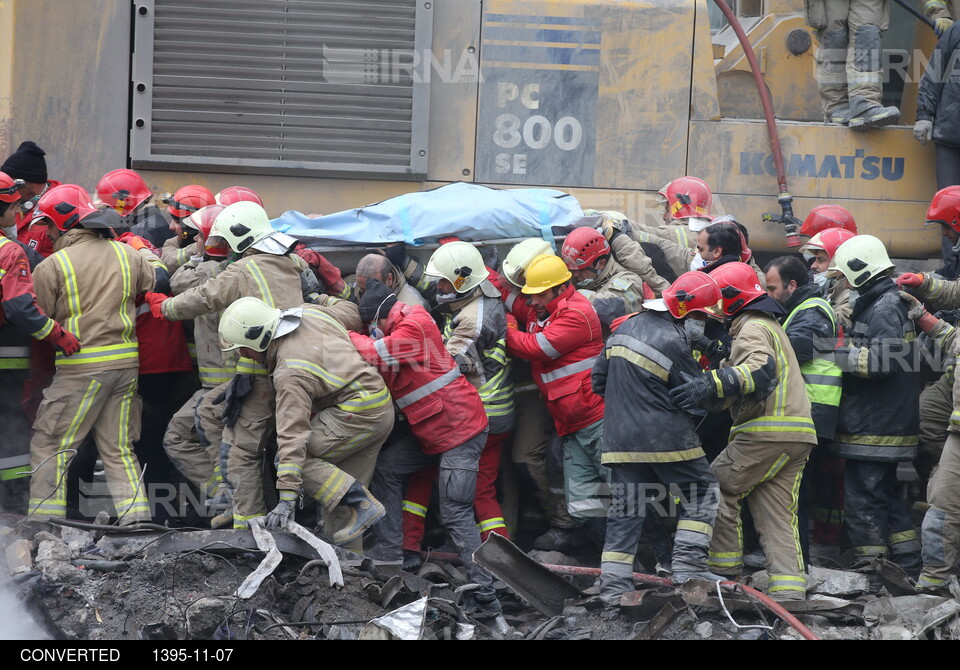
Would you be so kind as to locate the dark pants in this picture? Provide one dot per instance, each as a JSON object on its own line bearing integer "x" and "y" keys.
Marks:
{"x": 877, "y": 520}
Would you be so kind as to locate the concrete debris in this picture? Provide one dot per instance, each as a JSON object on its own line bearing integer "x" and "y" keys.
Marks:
{"x": 908, "y": 617}
{"x": 206, "y": 615}
{"x": 704, "y": 629}
{"x": 19, "y": 558}
{"x": 837, "y": 582}
{"x": 53, "y": 561}
{"x": 77, "y": 539}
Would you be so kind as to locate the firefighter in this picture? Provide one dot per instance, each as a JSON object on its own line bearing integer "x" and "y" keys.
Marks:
{"x": 631, "y": 254}
{"x": 474, "y": 327}
{"x": 562, "y": 342}
{"x": 879, "y": 418}
{"x": 178, "y": 249}
{"x": 771, "y": 437}
{"x": 446, "y": 417}
{"x": 232, "y": 194}
{"x": 647, "y": 356}
{"x": 90, "y": 284}
{"x": 849, "y": 68}
{"x": 332, "y": 409}
{"x": 824, "y": 217}
{"x": 191, "y": 442}
{"x": 820, "y": 250}
{"x": 129, "y": 196}
{"x": 612, "y": 289}
{"x": 267, "y": 269}
{"x": 812, "y": 328}
{"x": 21, "y": 318}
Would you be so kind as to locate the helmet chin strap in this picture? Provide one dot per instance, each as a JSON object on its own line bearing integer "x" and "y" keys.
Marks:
{"x": 956, "y": 247}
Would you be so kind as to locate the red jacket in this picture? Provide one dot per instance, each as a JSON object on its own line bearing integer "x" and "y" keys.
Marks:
{"x": 562, "y": 352}
{"x": 18, "y": 302}
{"x": 444, "y": 409}
{"x": 163, "y": 344}
{"x": 34, "y": 236}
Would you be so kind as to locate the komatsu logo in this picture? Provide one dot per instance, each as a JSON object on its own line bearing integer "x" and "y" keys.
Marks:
{"x": 855, "y": 166}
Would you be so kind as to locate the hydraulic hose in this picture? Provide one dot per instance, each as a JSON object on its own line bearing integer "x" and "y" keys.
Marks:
{"x": 790, "y": 222}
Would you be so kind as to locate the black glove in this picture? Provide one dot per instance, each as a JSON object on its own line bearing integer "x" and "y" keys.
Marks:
{"x": 695, "y": 393}
{"x": 397, "y": 254}
{"x": 715, "y": 353}
{"x": 232, "y": 397}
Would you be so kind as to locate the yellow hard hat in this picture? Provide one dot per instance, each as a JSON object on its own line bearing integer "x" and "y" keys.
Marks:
{"x": 545, "y": 272}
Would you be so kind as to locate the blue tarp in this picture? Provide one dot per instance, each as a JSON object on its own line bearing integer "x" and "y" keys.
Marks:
{"x": 467, "y": 211}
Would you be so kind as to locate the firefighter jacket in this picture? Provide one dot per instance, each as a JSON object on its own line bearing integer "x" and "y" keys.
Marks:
{"x": 784, "y": 414}
{"x": 812, "y": 329}
{"x": 880, "y": 407}
{"x": 647, "y": 356}
{"x": 676, "y": 255}
{"x": 631, "y": 256}
{"x": 89, "y": 285}
{"x": 443, "y": 409}
{"x": 174, "y": 255}
{"x": 940, "y": 293}
{"x": 616, "y": 292}
{"x": 18, "y": 302}
{"x": 215, "y": 366}
{"x": 475, "y": 333}
{"x": 562, "y": 351}
{"x": 406, "y": 293}
{"x": 313, "y": 368}
{"x": 34, "y": 236}
{"x": 839, "y": 296}
{"x": 938, "y": 97}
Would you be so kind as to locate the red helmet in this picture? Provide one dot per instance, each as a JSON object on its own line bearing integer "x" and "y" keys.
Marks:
{"x": 187, "y": 200}
{"x": 693, "y": 292}
{"x": 739, "y": 286}
{"x": 829, "y": 240}
{"x": 583, "y": 247}
{"x": 65, "y": 205}
{"x": 823, "y": 217}
{"x": 945, "y": 207}
{"x": 124, "y": 190}
{"x": 233, "y": 194}
{"x": 9, "y": 188}
{"x": 202, "y": 221}
{"x": 688, "y": 197}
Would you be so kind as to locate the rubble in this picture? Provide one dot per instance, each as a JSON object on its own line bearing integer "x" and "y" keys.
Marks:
{"x": 187, "y": 585}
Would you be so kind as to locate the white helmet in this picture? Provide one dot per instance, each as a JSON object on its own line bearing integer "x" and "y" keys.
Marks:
{"x": 516, "y": 262}
{"x": 248, "y": 322}
{"x": 860, "y": 259}
{"x": 242, "y": 225}
{"x": 459, "y": 263}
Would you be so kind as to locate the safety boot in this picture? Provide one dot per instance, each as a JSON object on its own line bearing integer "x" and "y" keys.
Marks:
{"x": 690, "y": 562}
{"x": 875, "y": 117}
{"x": 564, "y": 540}
{"x": 412, "y": 561}
{"x": 364, "y": 511}
{"x": 839, "y": 116}
{"x": 482, "y": 605}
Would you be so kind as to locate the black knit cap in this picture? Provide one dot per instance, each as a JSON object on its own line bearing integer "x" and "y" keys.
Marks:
{"x": 27, "y": 163}
{"x": 376, "y": 297}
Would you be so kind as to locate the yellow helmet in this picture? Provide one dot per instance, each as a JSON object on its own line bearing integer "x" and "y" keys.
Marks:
{"x": 545, "y": 272}
{"x": 516, "y": 262}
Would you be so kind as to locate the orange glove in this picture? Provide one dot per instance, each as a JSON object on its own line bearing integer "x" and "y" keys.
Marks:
{"x": 910, "y": 280}
{"x": 136, "y": 242}
{"x": 445, "y": 240}
{"x": 616, "y": 323}
{"x": 512, "y": 322}
{"x": 63, "y": 340}
{"x": 155, "y": 300}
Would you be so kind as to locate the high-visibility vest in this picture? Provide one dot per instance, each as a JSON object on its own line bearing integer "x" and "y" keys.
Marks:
{"x": 822, "y": 378}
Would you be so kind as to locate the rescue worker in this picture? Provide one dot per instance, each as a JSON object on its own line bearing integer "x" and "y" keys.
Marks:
{"x": 128, "y": 195}
{"x": 613, "y": 290}
{"x": 534, "y": 432}
{"x": 771, "y": 437}
{"x": 446, "y": 417}
{"x": 326, "y": 273}
{"x": 474, "y": 332}
{"x": 332, "y": 409}
{"x": 379, "y": 267}
{"x": 879, "y": 419}
{"x": 178, "y": 249}
{"x": 232, "y": 194}
{"x": 849, "y": 67}
{"x": 824, "y": 217}
{"x": 724, "y": 241}
{"x": 28, "y": 163}
{"x": 21, "y": 318}
{"x": 191, "y": 443}
{"x": 267, "y": 269}
{"x": 940, "y": 531}
{"x": 811, "y": 327}
{"x": 631, "y": 254}
{"x": 820, "y": 250}
{"x": 90, "y": 284}
{"x": 647, "y": 356}
{"x": 562, "y": 345}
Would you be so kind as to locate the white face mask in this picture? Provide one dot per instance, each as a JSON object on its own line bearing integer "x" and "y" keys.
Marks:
{"x": 443, "y": 298}
{"x": 698, "y": 262}
{"x": 11, "y": 233}
{"x": 820, "y": 279}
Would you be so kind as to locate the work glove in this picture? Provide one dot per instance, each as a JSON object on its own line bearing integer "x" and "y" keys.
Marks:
{"x": 923, "y": 131}
{"x": 724, "y": 384}
{"x": 714, "y": 351}
{"x": 917, "y": 312}
{"x": 695, "y": 393}
{"x": 447, "y": 240}
{"x": 137, "y": 242}
{"x": 940, "y": 26}
{"x": 64, "y": 341}
{"x": 396, "y": 253}
{"x": 909, "y": 280}
{"x": 277, "y": 519}
{"x": 232, "y": 398}
{"x": 512, "y": 322}
{"x": 609, "y": 229}
{"x": 155, "y": 300}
